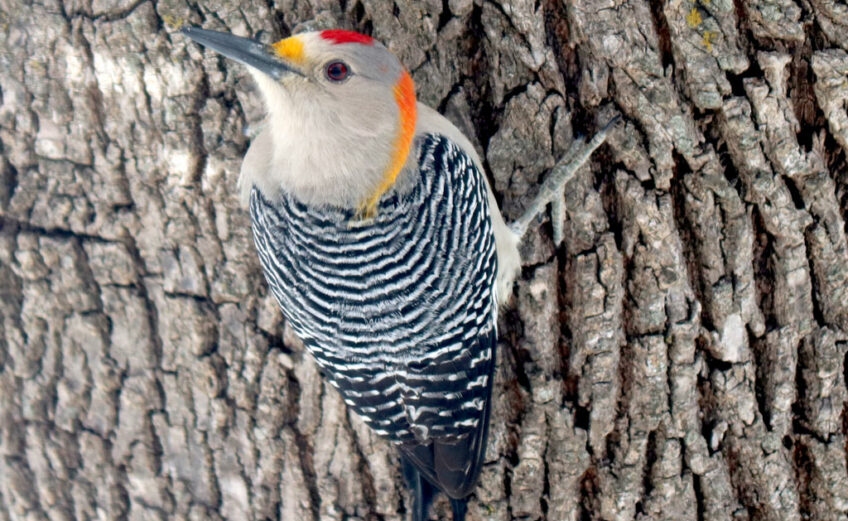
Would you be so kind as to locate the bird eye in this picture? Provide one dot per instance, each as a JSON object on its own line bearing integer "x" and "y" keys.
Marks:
{"x": 337, "y": 71}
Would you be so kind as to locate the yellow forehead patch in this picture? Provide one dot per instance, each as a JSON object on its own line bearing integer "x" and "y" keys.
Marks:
{"x": 290, "y": 49}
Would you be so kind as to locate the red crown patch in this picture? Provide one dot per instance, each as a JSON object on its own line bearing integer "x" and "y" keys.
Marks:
{"x": 341, "y": 36}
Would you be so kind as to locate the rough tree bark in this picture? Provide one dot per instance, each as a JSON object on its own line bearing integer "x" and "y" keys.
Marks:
{"x": 681, "y": 356}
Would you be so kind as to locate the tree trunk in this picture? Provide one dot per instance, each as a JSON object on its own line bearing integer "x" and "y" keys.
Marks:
{"x": 681, "y": 356}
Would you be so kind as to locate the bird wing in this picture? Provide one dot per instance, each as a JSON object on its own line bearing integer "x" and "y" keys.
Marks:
{"x": 446, "y": 394}
{"x": 452, "y": 461}
{"x": 509, "y": 261}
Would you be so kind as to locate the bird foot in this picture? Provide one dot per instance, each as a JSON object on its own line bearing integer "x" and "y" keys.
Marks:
{"x": 553, "y": 188}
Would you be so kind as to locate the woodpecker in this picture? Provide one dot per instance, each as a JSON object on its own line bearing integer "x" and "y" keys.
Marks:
{"x": 382, "y": 242}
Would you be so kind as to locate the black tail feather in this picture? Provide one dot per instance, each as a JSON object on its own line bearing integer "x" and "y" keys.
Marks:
{"x": 422, "y": 491}
{"x": 459, "y": 507}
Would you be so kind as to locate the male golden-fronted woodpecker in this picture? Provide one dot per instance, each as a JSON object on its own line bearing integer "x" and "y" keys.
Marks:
{"x": 383, "y": 244}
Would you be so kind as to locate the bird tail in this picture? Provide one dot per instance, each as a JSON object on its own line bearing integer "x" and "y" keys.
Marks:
{"x": 459, "y": 507}
{"x": 422, "y": 491}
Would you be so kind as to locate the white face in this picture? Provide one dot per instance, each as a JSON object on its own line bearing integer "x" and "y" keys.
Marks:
{"x": 334, "y": 120}
{"x": 349, "y": 87}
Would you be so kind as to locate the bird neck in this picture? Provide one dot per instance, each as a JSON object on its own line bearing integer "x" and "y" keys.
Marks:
{"x": 404, "y": 93}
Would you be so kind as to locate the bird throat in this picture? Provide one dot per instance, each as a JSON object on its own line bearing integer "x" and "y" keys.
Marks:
{"x": 404, "y": 92}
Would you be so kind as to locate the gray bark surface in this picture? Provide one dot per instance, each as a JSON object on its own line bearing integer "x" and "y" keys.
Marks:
{"x": 680, "y": 357}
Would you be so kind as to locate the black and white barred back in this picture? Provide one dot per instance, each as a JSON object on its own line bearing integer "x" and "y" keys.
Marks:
{"x": 400, "y": 310}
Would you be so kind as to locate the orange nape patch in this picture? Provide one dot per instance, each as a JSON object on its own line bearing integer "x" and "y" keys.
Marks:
{"x": 404, "y": 91}
{"x": 290, "y": 49}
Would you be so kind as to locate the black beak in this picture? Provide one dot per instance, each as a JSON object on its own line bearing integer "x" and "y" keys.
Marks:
{"x": 243, "y": 50}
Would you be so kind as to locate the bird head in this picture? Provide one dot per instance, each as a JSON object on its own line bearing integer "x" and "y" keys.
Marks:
{"x": 341, "y": 115}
